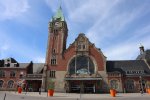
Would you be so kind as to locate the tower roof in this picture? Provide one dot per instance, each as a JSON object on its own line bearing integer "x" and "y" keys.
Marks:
{"x": 59, "y": 15}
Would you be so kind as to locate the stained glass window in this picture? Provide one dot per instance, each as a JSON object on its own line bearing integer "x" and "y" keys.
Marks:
{"x": 81, "y": 65}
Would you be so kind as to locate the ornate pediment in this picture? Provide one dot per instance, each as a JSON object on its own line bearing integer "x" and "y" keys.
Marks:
{"x": 82, "y": 43}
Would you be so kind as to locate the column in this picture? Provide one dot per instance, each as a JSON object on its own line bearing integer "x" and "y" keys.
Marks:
{"x": 88, "y": 66}
{"x": 75, "y": 64}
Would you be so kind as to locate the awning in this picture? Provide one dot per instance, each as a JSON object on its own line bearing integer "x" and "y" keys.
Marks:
{"x": 82, "y": 78}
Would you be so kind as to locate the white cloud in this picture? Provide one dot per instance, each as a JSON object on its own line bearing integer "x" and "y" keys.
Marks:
{"x": 10, "y": 9}
{"x": 90, "y": 10}
{"x": 129, "y": 49}
{"x": 10, "y": 47}
{"x": 111, "y": 24}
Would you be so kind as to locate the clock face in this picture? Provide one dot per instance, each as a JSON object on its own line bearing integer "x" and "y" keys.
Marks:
{"x": 57, "y": 24}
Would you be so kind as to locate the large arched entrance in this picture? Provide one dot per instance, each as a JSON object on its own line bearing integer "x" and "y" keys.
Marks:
{"x": 82, "y": 75}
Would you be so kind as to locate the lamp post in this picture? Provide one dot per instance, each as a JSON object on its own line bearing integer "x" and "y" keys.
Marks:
{"x": 141, "y": 89}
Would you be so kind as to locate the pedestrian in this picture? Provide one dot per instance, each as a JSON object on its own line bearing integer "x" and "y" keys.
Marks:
{"x": 39, "y": 91}
{"x": 26, "y": 88}
{"x": 141, "y": 91}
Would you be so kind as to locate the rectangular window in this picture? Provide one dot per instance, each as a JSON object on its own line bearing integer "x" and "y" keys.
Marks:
{"x": 2, "y": 73}
{"x": 52, "y": 74}
{"x": 53, "y": 61}
{"x": 12, "y": 73}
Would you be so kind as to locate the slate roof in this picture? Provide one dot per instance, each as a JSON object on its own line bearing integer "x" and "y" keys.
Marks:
{"x": 145, "y": 55}
{"x": 126, "y": 66}
{"x": 23, "y": 65}
{"x": 37, "y": 67}
{"x": 1, "y": 63}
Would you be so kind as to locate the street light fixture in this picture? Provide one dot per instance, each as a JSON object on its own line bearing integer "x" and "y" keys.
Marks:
{"x": 141, "y": 83}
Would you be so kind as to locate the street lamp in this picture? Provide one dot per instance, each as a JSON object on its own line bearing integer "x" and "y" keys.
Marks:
{"x": 141, "y": 89}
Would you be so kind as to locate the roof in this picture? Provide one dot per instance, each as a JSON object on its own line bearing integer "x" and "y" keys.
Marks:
{"x": 1, "y": 63}
{"x": 128, "y": 67}
{"x": 145, "y": 55}
{"x": 59, "y": 15}
{"x": 23, "y": 65}
{"x": 37, "y": 67}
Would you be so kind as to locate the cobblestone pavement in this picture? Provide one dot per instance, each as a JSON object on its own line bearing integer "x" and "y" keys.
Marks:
{"x": 71, "y": 96}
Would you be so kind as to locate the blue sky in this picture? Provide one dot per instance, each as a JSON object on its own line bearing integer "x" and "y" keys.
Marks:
{"x": 117, "y": 27}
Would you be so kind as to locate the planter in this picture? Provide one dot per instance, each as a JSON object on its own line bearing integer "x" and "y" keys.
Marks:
{"x": 113, "y": 92}
{"x": 148, "y": 90}
{"x": 50, "y": 92}
{"x": 19, "y": 89}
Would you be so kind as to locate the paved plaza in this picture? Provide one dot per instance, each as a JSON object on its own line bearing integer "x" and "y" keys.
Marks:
{"x": 71, "y": 96}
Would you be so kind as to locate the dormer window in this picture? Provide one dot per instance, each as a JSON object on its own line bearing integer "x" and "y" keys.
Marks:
{"x": 7, "y": 65}
{"x": 16, "y": 65}
{"x": 8, "y": 60}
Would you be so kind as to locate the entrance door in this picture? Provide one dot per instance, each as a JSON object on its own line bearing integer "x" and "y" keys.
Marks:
{"x": 89, "y": 88}
{"x": 82, "y": 86}
{"x": 75, "y": 88}
{"x": 34, "y": 85}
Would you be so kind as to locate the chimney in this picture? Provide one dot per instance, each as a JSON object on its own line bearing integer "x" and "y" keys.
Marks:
{"x": 141, "y": 49}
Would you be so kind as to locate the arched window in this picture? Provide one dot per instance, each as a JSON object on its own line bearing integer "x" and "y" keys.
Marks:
{"x": 114, "y": 84}
{"x": 54, "y": 51}
{"x": 130, "y": 84}
{"x": 10, "y": 84}
{"x": 12, "y": 73}
{"x": 1, "y": 83}
{"x": 2, "y": 73}
{"x": 81, "y": 65}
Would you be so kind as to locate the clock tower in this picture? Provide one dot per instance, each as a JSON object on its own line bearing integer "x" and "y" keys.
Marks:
{"x": 57, "y": 37}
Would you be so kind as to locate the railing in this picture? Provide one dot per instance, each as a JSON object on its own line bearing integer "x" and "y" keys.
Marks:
{"x": 82, "y": 75}
{"x": 34, "y": 76}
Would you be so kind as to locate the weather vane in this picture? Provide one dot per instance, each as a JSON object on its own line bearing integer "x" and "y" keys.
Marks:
{"x": 60, "y": 3}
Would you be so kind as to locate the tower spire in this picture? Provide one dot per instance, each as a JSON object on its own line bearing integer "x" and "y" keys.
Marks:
{"x": 60, "y": 3}
{"x": 59, "y": 14}
{"x": 141, "y": 49}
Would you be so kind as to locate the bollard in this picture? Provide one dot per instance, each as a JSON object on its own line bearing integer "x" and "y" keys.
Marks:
{"x": 4, "y": 96}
